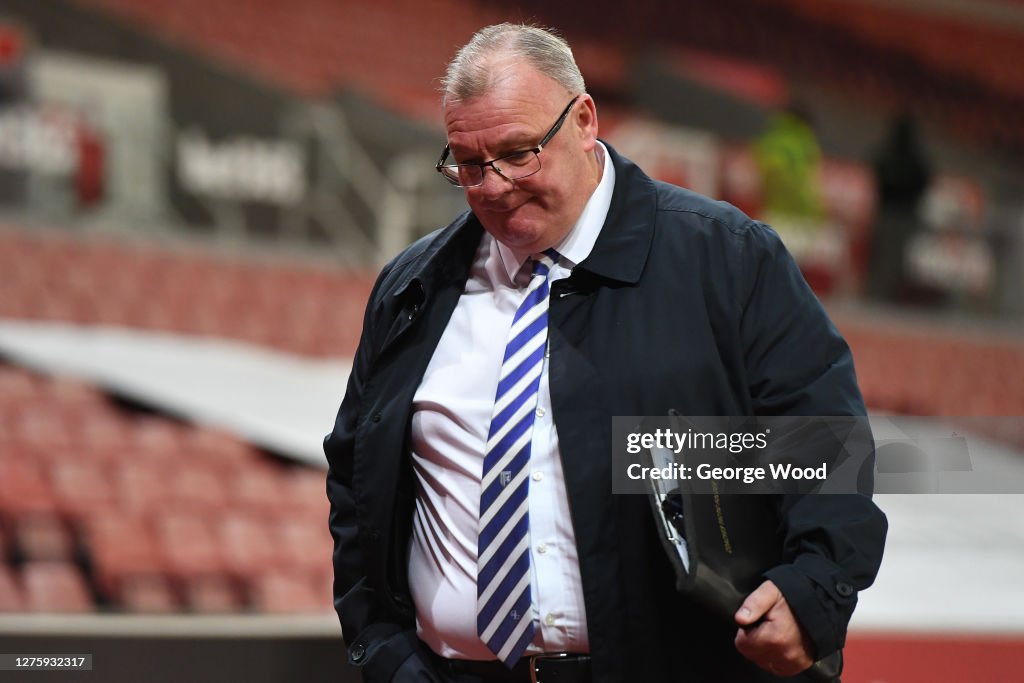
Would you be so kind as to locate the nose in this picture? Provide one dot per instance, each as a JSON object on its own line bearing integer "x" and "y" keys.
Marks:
{"x": 494, "y": 185}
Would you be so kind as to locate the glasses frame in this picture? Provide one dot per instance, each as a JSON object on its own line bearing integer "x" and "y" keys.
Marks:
{"x": 441, "y": 166}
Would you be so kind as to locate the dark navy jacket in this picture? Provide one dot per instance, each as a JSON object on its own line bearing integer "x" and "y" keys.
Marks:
{"x": 684, "y": 303}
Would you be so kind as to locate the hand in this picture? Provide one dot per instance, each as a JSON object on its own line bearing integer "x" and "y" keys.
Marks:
{"x": 769, "y": 634}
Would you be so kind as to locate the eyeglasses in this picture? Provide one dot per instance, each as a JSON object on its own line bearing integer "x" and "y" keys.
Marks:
{"x": 514, "y": 166}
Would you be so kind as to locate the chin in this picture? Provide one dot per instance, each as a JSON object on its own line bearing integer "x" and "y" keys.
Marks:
{"x": 520, "y": 235}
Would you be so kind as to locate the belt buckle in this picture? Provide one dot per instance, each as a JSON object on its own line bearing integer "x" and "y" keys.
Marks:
{"x": 535, "y": 658}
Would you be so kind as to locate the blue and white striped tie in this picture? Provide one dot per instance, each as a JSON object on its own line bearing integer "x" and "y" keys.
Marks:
{"x": 504, "y": 609}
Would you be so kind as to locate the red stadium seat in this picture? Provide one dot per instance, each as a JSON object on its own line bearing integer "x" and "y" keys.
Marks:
{"x": 288, "y": 592}
{"x": 306, "y": 490}
{"x": 37, "y": 422}
{"x": 42, "y": 536}
{"x": 11, "y": 597}
{"x": 212, "y": 593}
{"x": 141, "y": 485}
{"x": 196, "y": 488}
{"x": 148, "y": 593}
{"x": 188, "y": 544}
{"x": 248, "y": 544}
{"x": 218, "y": 448}
{"x": 258, "y": 488}
{"x": 16, "y": 384}
{"x": 55, "y": 587}
{"x": 24, "y": 486}
{"x": 81, "y": 487}
{"x": 157, "y": 438}
{"x": 120, "y": 546}
{"x": 303, "y": 544}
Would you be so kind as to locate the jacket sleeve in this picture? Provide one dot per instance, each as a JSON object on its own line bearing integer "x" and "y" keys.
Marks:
{"x": 797, "y": 363}
{"x": 375, "y": 644}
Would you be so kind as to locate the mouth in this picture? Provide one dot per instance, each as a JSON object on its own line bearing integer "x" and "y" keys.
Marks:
{"x": 507, "y": 209}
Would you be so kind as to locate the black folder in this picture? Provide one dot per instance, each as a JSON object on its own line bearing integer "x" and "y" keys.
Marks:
{"x": 720, "y": 545}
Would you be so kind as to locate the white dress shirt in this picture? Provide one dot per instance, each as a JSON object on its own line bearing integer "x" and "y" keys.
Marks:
{"x": 451, "y": 417}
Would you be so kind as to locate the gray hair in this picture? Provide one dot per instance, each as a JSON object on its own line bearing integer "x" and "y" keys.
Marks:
{"x": 469, "y": 72}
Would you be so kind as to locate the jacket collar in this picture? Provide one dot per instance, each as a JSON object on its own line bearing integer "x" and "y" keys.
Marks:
{"x": 447, "y": 257}
{"x": 620, "y": 252}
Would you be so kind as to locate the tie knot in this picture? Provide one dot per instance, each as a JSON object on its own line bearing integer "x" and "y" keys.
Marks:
{"x": 542, "y": 262}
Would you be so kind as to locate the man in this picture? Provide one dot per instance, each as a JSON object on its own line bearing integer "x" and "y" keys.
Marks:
{"x": 470, "y": 463}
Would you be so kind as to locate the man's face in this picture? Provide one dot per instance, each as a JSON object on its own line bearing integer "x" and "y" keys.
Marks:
{"x": 533, "y": 213}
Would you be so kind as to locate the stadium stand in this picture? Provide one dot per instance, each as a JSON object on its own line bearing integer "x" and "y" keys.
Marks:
{"x": 140, "y": 513}
{"x": 811, "y": 42}
{"x": 316, "y": 312}
{"x": 986, "y": 50}
{"x": 303, "y": 309}
{"x": 316, "y": 47}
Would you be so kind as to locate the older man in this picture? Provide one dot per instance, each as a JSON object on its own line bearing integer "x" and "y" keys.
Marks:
{"x": 476, "y": 535}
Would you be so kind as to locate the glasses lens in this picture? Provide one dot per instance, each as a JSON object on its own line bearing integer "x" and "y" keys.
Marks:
{"x": 519, "y": 165}
{"x": 458, "y": 175}
{"x": 470, "y": 175}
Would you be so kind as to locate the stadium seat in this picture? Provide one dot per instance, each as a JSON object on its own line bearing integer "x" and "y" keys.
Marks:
{"x": 248, "y": 544}
{"x": 212, "y": 594}
{"x": 81, "y": 487}
{"x": 119, "y": 546}
{"x": 55, "y": 587}
{"x": 306, "y": 489}
{"x": 218, "y": 449}
{"x": 288, "y": 592}
{"x": 39, "y": 423}
{"x": 188, "y": 544}
{"x": 41, "y": 536}
{"x": 24, "y": 486}
{"x": 303, "y": 544}
{"x": 258, "y": 488}
{"x": 140, "y": 485}
{"x": 11, "y": 597}
{"x": 148, "y": 593}
{"x": 196, "y": 488}
{"x": 157, "y": 438}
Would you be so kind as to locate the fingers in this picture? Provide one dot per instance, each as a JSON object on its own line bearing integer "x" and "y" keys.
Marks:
{"x": 758, "y": 603}
{"x": 769, "y": 634}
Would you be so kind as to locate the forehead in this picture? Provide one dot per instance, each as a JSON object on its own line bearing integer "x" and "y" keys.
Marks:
{"x": 514, "y": 110}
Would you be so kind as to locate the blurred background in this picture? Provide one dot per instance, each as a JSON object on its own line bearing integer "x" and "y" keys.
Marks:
{"x": 195, "y": 197}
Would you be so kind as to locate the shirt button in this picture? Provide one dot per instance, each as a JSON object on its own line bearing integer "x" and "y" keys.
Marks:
{"x": 549, "y": 619}
{"x": 542, "y": 548}
{"x": 537, "y": 476}
{"x": 540, "y": 412}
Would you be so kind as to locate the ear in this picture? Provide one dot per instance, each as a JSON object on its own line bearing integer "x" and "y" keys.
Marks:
{"x": 584, "y": 118}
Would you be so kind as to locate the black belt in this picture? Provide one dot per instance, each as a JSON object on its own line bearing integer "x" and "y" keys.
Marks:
{"x": 542, "y": 668}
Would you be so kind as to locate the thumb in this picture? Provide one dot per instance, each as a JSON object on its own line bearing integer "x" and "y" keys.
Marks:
{"x": 757, "y": 604}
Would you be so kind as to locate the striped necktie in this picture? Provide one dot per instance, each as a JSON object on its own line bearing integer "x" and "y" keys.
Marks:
{"x": 504, "y": 608}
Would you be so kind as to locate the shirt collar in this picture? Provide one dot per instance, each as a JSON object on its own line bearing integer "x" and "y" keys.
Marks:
{"x": 578, "y": 244}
